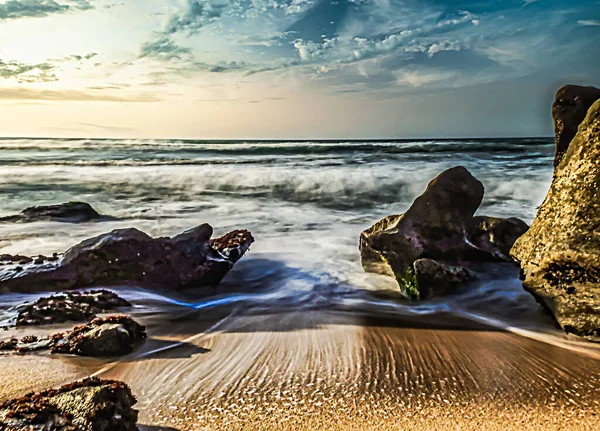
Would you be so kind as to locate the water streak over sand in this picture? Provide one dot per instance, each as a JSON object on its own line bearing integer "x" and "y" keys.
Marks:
{"x": 323, "y": 370}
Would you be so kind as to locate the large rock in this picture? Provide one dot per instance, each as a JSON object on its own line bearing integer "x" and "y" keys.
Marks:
{"x": 439, "y": 226}
{"x": 560, "y": 254}
{"x": 569, "y": 110}
{"x": 131, "y": 257}
{"x": 70, "y": 212}
{"x": 68, "y": 306}
{"x": 90, "y": 405}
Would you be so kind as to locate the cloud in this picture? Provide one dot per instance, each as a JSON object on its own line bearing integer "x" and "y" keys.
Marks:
{"x": 15, "y": 9}
{"x": 164, "y": 48}
{"x": 588, "y": 22}
{"x": 77, "y": 57}
{"x": 194, "y": 15}
{"x": 419, "y": 78}
{"x": 110, "y": 86}
{"x": 69, "y": 95}
{"x": 42, "y": 72}
{"x": 108, "y": 128}
{"x": 444, "y": 46}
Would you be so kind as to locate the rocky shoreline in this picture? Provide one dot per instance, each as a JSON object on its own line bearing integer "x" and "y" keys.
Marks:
{"x": 437, "y": 246}
{"x": 430, "y": 249}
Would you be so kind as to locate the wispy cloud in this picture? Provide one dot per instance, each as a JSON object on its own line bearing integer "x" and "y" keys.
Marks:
{"x": 42, "y": 72}
{"x": 15, "y": 9}
{"x": 164, "y": 48}
{"x": 108, "y": 128}
{"x": 588, "y": 22}
{"x": 20, "y": 93}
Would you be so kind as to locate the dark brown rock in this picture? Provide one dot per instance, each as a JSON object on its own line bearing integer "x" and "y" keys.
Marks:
{"x": 560, "y": 254}
{"x": 131, "y": 257}
{"x": 69, "y": 306}
{"x": 110, "y": 336}
{"x": 433, "y": 278}
{"x": 114, "y": 335}
{"x": 433, "y": 227}
{"x": 70, "y": 212}
{"x": 89, "y": 405}
{"x": 569, "y": 110}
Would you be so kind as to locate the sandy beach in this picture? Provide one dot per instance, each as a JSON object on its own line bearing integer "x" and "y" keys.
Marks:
{"x": 330, "y": 371}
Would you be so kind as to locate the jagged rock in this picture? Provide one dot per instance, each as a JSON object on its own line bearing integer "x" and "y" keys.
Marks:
{"x": 111, "y": 336}
{"x": 431, "y": 277}
{"x": 114, "y": 335}
{"x": 89, "y": 405}
{"x": 439, "y": 226}
{"x": 560, "y": 254}
{"x": 68, "y": 306}
{"x": 70, "y": 212}
{"x": 433, "y": 226}
{"x": 129, "y": 256}
{"x": 569, "y": 110}
{"x": 496, "y": 235}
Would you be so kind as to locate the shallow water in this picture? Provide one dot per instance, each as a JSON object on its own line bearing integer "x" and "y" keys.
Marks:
{"x": 305, "y": 203}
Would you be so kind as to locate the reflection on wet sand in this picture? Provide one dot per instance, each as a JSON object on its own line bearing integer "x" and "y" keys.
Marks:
{"x": 319, "y": 370}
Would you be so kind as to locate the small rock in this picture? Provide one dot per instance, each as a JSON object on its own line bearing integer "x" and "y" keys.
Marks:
{"x": 70, "y": 212}
{"x": 69, "y": 306}
{"x": 111, "y": 336}
{"x": 89, "y": 405}
{"x": 114, "y": 335}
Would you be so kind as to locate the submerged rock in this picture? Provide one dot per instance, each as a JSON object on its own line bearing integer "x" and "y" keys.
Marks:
{"x": 569, "y": 110}
{"x": 560, "y": 254}
{"x": 496, "y": 235}
{"x": 131, "y": 257}
{"x": 437, "y": 227}
{"x": 70, "y": 212}
{"x": 89, "y": 405}
{"x": 69, "y": 306}
{"x": 114, "y": 335}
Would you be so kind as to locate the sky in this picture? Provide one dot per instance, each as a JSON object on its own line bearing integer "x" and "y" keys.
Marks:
{"x": 291, "y": 69}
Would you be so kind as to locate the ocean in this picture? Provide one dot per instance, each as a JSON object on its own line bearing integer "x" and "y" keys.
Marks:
{"x": 305, "y": 203}
{"x": 298, "y": 336}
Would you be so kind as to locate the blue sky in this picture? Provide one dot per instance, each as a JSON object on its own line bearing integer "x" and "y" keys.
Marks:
{"x": 291, "y": 68}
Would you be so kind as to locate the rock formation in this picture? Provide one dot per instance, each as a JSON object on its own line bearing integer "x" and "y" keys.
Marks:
{"x": 68, "y": 306}
{"x": 569, "y": 109}
{"x": 560, "y": 254}
{"x": 494, "y": 234}
{"x": 89, "y": 405}
{"x": 70, "y": 212}
{"x": 114, "y": 335}
{"x": 439, "y": 226}
{"x": 129, "y": 256}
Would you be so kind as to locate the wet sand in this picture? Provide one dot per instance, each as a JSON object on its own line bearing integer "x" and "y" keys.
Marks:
{"x": 320, "y": 370}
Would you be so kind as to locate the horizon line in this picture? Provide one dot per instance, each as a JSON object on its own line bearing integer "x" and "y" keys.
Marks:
{"x": 387, "y": 139}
